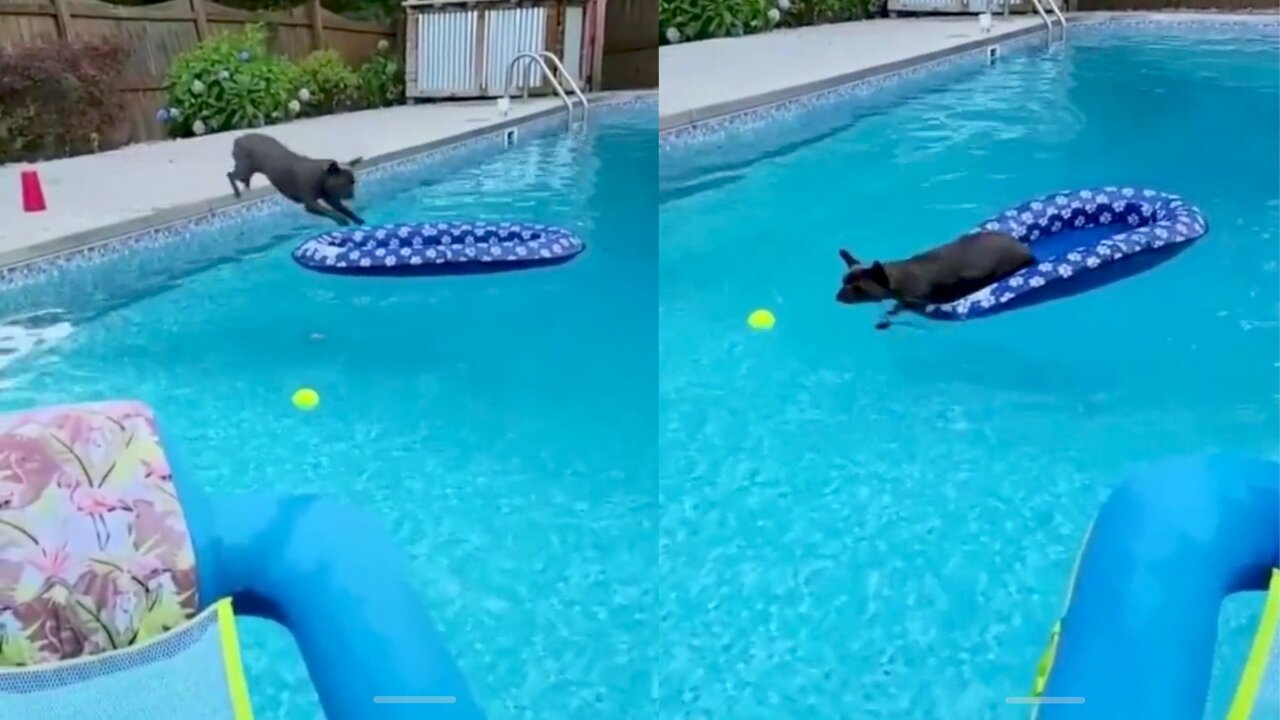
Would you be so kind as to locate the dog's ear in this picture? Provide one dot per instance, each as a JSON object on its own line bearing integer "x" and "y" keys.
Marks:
{"x": 333, "y": 167}
{"x": 848, "y": 258}
{"x": 878, "y": 275}
{"x": 355, "y": 161}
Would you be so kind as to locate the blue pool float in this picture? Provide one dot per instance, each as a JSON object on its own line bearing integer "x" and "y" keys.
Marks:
{"x": 1138, "y": 636}
{"x": 1081, "y": 239}
{"x": 437, "y": 248}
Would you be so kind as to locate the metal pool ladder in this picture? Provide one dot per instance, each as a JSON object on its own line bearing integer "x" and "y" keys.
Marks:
{"x": 551, "y": 76}
{"x": 1048, "y": 23}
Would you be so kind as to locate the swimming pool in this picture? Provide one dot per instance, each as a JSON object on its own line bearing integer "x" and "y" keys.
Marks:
{"x": 881, "y": 524}
{"x": 490, "y": 420}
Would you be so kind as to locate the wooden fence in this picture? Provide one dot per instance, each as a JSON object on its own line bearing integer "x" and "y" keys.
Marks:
{"x": 159, "y": 33}
{"x": 630, "y": 45}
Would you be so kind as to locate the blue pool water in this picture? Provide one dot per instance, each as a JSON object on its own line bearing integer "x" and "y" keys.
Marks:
{"x": 490, "y": 420}
{"x": 881, "y": 525}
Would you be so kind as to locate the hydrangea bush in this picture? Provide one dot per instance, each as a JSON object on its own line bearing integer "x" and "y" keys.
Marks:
{"x": 381, "y": 80}
{"x": 329, "y": 83}
{"x": 685, "y": 20}
{"x": 682, "y": 20}
{"x": 231, "y": 82}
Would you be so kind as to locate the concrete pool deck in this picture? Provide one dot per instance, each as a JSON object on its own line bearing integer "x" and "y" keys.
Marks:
{"x": 711, "y": 78}
{"x": 705, "y": 79}
{"x": 92, "y": 198}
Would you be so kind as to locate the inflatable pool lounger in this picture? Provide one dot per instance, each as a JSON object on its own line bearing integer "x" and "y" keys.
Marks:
{"x": 1082, "y": 240}
{"x": 1138, "y": 636}
{"x": 118, "y": 574}
{"x": 437, "y": 248}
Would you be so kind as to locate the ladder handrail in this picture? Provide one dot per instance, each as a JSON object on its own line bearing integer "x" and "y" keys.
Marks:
{"x": 1048, "y": 26}
{"x": 1048, "y": 23}
{"x": 573, "y": 85}
{"x": 546, "y": 72}
{"x": 1061, "y": 18}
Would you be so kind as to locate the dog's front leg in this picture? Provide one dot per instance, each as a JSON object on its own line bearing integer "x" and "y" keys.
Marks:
{"x": 337, "y": 205}
{"x": 315, "y": 208}
{"x": 231, "y": 178}
{"x": 885, "y": 322}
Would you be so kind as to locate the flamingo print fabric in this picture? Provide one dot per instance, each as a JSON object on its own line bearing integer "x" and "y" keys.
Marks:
{"x": 94, "y": 549}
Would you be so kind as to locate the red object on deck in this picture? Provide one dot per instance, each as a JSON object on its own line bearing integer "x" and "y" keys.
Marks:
{"x": 32, "y": 193}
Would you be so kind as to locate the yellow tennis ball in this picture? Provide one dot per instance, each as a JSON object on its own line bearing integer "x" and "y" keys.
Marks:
{"x": 761, "y": 320}
{"x": 306, "y": 399}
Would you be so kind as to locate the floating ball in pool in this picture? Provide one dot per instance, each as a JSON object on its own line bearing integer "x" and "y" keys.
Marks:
{"x": 761, "y": 320}
{"x": 306, "y": 399}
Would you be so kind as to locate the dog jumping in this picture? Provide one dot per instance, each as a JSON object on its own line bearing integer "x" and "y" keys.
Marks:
{"x": 939, "y": 276}
{"x": 306, "y": 181}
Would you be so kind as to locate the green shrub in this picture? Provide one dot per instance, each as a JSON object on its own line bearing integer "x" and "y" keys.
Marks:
{"x": 331, "y": 84}
{"x": 684, "y": 20}
{"x": 229, "y": 82}
{"x": 701, "y": 19}
{"x": 812, "y": 12}
{"x": 381, "y": 79}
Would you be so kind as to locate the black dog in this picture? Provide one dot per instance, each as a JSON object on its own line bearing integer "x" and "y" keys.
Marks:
{"x": 301, "y": 179}
{"x": 942, "y": 275}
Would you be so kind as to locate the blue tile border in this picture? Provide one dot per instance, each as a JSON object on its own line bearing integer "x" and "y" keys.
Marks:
{"x": 717, "y": 128}
{"x": 15, "y": 277}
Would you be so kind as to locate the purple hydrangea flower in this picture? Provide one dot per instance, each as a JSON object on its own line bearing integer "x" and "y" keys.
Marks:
{"x": 244, "y": 56}
{"x": 162, "y": 115}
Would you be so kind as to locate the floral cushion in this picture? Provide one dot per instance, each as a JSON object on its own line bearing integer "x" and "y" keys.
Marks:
{"x": 94, "y": 549}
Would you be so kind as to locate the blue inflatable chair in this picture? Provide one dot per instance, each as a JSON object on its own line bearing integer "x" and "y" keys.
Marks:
{"x": 1138, "y": 636}
{"x": 118, "y": 578}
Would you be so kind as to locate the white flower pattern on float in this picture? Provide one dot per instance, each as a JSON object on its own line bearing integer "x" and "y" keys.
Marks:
{"x": 436, "y": 243}
{"x": 1158, "y": 222}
